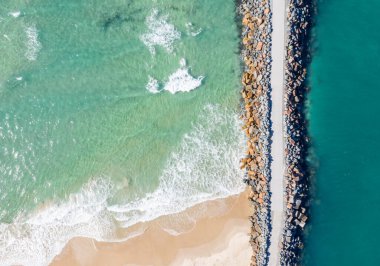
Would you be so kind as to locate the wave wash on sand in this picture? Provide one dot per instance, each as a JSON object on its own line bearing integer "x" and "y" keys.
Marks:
{"x": 203, "y": 167}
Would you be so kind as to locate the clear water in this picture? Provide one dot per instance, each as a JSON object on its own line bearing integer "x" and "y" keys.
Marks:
{"x": 92, "y": 138}
{"x": 344, "y": 109}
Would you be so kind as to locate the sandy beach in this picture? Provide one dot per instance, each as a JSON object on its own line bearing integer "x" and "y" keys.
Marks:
{"x": 218, "y": 236}
{"x": 213, "y": 232}
{"x": 277, "y": 148}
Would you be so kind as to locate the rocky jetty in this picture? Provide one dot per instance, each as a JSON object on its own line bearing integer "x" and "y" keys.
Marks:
{"x": 256, "y": 55}
{"x": 299, "y": 15}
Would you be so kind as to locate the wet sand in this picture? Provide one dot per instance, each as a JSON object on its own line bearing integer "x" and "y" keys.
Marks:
{"x": 219, "y": 235}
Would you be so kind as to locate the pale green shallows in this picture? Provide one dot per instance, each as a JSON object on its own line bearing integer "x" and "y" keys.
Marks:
{"x": 78, "y": 108}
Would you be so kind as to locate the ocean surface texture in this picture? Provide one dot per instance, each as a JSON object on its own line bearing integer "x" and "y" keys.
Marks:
{"x": 343, "y": 123}
{"x": 113, "y": 112}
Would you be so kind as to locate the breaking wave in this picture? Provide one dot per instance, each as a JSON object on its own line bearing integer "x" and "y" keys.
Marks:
{"x": 191, "y": 30}
{"x": 37, "y": 239}
{"x": 15, "y": 14}
{"x": 179, "y": 81}
{"x": 182, "y": 81}
{"x": 153, "y": 85}
{"x": 205, "y": 166}
{"x": 160, "y": 32}
{"x": 33, "y": 46}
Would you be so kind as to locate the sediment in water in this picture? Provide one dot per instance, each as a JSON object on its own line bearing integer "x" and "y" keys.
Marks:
{"x": 299, "y": 21}
{"x": 256, "y": 55}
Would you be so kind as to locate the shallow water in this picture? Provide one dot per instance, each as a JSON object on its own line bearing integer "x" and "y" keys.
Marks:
{"x": 112, "y": 112}
{"x": 343, "y": 115}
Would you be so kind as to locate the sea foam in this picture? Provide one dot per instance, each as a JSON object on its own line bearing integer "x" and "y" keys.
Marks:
{"x": 179, "y": 81}
{"x": 182, "y": 81}
{"x": 191, "y": 30}
{"x": 37, "y": 239}
{"x": 205, "y": 166}
{"x": 15, "y": 14}
{"x": 160, "y": 32}
{"x": 152, "y": 85}
{"x": 33, "y": 46}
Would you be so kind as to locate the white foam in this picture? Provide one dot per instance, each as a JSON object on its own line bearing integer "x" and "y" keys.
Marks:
{"x": 33, "y": 46}
{"x": 179, "y": 81}
{"x": 152, "y": 85}
{"x": 15, "y": 14}
{"x": 205, "y": 166}
{"x": 182, "y": 62}
{"x": 160, "y": 32}
{"x": 190, "y": 29}
{"x": 80, "y": 207}
{"x": 182, "y": 81}
{"x": 36, "y": 240}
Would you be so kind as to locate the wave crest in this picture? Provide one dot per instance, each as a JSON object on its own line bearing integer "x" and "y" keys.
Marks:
{"x": 179, "y": 81}
{"x": 33, "y": 46}
{"x": 153, "y": 85}
{"x": 160, "y": 32}
{"x": 205, "y": 166}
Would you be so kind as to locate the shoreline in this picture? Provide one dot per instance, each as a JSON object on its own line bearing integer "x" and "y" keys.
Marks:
{"x": 277, "y": 146}
{"x": 212, "y": 238}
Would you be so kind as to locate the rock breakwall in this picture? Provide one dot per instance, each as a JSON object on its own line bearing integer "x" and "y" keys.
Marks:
{"x": 299, "y": 20}
{"x": 256, "y": 55}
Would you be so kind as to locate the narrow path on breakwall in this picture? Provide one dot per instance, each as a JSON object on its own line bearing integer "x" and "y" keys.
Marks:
{"x": 277, "y": 148}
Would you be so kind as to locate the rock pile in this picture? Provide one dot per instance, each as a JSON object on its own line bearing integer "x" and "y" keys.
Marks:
{"x": 256, "y": 41}
{"x": 296, "y": 176}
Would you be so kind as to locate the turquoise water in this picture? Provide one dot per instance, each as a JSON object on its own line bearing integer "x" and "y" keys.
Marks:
{"x": 343, "y": 114}
{"x": 92, "y": 138}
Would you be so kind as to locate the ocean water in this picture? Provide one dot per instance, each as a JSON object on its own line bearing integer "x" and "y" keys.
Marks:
{"x": 344, "y": 109}
{"x": 112, "y": 112}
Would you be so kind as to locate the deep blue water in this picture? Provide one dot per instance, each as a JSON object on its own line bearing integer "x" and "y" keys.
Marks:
{"x": 344, "y": 111}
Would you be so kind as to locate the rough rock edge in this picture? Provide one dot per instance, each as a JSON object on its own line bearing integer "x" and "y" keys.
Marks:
{"x": 299, "y": 22}
{"x": 256, "y": 55}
